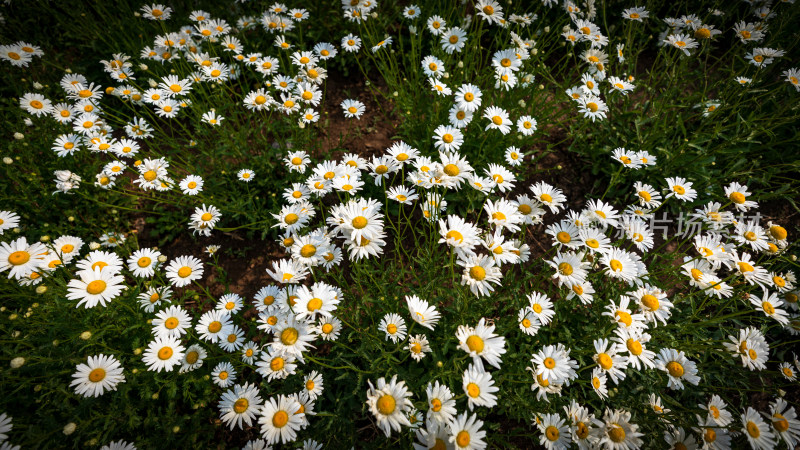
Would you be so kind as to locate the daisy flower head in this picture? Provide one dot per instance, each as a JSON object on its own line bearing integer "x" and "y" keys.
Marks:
{"x": 758, "y": 433}
{"x": 555, "y": 432}
{"x": 351, "y": 43}
{"x": 480, "y": 272}
{"x": 620, "y": 85}
{"x": 433, "y": 67}
{"x": 182, "y": 270}
{"x": 328, "y": 328}
{"x": 549, "y": 196}
{"x": 490, "y": 11}
{"x": 230, "y": 304}
{"x": 95, "y": 286}
{"x": 678, "y": 367}
{"x": 619, "y": 264}
{"x": 459, "y": 234}
{"x": 191, "y": 185}
{"x": 751, "y": 234}
{"x": 505, "y": 62}
{"x": 479, "y": 387}
{"x": 223, "y": 374}
{"x": 275, "y": 364}
{"x": 453, "y": 40}
{"x": 293, "y": 337}
{"x": 637, "y": 13}
{"x": 240, "y": 404}
{"x": 528, "y": 322}
{"x": 20, "y": 258}
{"x": 402, "y": 194}
{"x": 570, "y": 268}
{"x": 738, "y": 194}
{"x": 680, "y": 189}
{"x": 599, "y": 383}
{"x": 101, "y": 373}
{"x": 592, "y": 106}
{"x": 394, "y": 326}
{"x": 554, "y": 365}
{"x": 15, "y": 55}
{"x": 466, "y": 433}
{"x": 498, "y": 119}
{"x": 439, "y": 87}
{"x": 541, "y": 306}
{"x": 682, "y": 42}
{"x": 297, "y": 161}
{"x": 387, "y": 41}
{"x": 418, "y": 345}
{"x": 526, "y": 125}
{"x": 422, "y": 312}
{"x": 770, "y": 304}
{"x": 468, "y": 97}
{"x": 313, "y": 384}
{"x": 617, "y": 432}
{"x": 482, "y": 342}
{"x": 436, "y": 25}
{"x": 279, "y": 419}
{"x": 717, "y": 411}
{"x": 389, "y": 403}
{"x": 163, "y": 353}
{"x": 36, "y": 104}
{"x": 447, "y": 138}
{"x": 353, "y": 108}
{"x": 793, "y": 77}
{"x": 156, "y": 12}
{"x": 171, "y": 322}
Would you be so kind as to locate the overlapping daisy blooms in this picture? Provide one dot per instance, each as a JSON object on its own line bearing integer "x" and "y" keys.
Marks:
{"x": 516, "y": 293}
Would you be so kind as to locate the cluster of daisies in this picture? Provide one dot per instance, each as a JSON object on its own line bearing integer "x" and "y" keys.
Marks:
{"x": 590, "y": 243}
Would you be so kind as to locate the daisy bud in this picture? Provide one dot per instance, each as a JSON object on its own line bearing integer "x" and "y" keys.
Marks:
{"x": 92, "y": 442}
{"x": 13, "y": 317}
{"x": 8, "y": 160}
{"x": 94, "y": 245}
{"x": 439, "y": 364}
{"x": 44, "y": 238}
{"x": 137, "y": 351}
{"x": 154, "y": 396}
{"x": 69, "y": 428}
{"x": 153, "y": 83}
{"x": 162, "y": 258}
{"x": 460, "y": 64}
{"x": 15, "y": 334}
{"x": 374, "y": 15}
{"x": 37, "y": 85}
{"x": 86, "y": 335}
{"x": 37, "y": 388}
{"x": 55, "y": 343}
{"x": 17, "y": 362}
{"x": 41, "y": 289}
{"x": 135, "y": 371}
{"x": 541, "y": 87}
{"x": 28, "y": 122}
{"x": 19, "y": 136}
{"x": 546, "y": 29}
{"x": 143, "y": 66}
{"x": 395, "y": 93}
{"x": 71, "y": 219}
{"x": 67, "y": 70}
{"x": 176, "y": 429}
